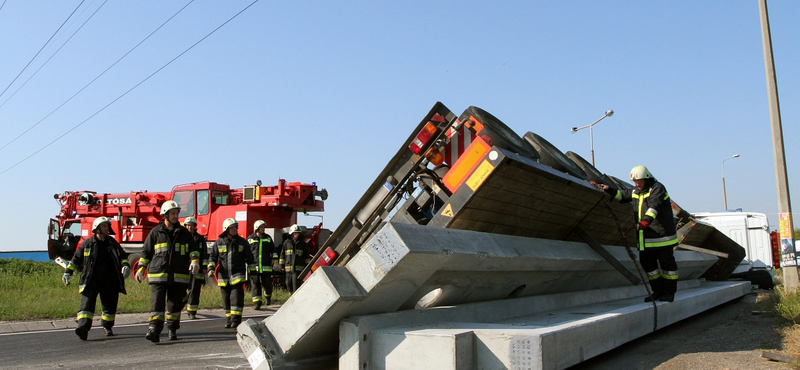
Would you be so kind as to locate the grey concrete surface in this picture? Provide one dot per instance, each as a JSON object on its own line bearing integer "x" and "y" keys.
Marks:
{"x": 406, "y": 266}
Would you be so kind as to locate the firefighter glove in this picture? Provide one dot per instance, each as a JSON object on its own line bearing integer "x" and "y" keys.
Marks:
{"x": 126, "y": 271}
{"x": 194, "y": 267}
{"x": 140, "y": 274}
{"x": 65, "y": 279}
{"x": 641, "y": 225}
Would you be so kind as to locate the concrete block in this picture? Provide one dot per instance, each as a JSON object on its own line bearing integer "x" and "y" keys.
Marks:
{"x": 556, "y": 337}
{"x": 421, "y": 349}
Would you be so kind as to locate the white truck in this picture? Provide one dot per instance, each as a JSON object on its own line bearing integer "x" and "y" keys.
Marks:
{"x": 751, "y": 231}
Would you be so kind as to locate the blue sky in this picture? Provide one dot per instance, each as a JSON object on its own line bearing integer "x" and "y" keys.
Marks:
{"x": 326, "y": 92}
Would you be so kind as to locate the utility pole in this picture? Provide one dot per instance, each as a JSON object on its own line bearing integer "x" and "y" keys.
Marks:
{"x": 791, "y": 280}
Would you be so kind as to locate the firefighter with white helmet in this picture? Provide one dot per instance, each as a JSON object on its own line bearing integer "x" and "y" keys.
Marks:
{"x": 170, "y": 255}
{"x": 265, "y": 256}
{"x": 193, "y": 303}
{"x": 103, "y": 265}
{"x": 655, "y": 230}
{"x": 294, "y": 257}
{"x": 228, "y": 260}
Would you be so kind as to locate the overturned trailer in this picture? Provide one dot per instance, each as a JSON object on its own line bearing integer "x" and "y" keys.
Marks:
{"x": 476, "y": 248}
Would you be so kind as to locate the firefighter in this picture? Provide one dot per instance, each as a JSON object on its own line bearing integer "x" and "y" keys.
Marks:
{"x": 228, "y": 259}
{"x": 170, "y": 256}
{"x": 190, "y": 223}
{"x": 103, "y": 266}
{"x": 293, "y": 258}
{"x": 655, "y": 231}
{"x": 265, "y": 256}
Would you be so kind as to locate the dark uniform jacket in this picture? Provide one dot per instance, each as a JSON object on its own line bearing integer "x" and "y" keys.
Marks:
{"x": 652, "y": 205}
{"x": 202, "y": 245}
{"x": 85, "y": 260}
{"x": 168, "y": 253}
{"x": 294, "y": 254}
{"x": 264, "y": 252}
{"x": 232, "y": 255}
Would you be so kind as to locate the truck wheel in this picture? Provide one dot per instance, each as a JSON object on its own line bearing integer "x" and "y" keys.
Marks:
{"x": 499, "y": 134}
{"x": 591, "y": 172}
{"x": 621, "y": 184}
{"x": 551, "y": 156}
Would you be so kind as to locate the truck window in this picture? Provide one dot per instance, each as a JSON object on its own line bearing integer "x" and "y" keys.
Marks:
{"x": 220, "y": 197}
{"x": 202, "y": 202}
{"x": 185, "y": 199}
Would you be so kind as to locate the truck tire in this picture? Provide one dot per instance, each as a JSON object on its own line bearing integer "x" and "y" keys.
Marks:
{"x": 499, "y": 134}
{"x": 592, "y": 174}
{"x": 762, "y": 278}
{"x": 550, "y": 155}
{"x": 621, "y": 184}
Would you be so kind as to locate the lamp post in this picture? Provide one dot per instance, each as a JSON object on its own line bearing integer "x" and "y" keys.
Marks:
{"x": 609, "y": 113}
{"x": 724, "y": 196}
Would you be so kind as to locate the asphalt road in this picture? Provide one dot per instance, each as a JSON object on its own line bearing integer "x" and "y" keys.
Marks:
{"x": 202, "y": 344}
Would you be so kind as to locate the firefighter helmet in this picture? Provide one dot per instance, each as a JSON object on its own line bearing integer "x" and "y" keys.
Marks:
{"x": 228, "y": 223}
{"x": 190, "y": 220}
{"x": 99, "y": 221}
{"x": 640, "y": 173}
{"x": 294, "y": 229}
{"x": 258, "y": 224}
{"x": 168, "y": 206}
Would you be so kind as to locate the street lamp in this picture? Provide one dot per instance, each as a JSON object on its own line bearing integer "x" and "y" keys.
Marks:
{"x": 724, "y": 196}
{"x": 609, "y": 113}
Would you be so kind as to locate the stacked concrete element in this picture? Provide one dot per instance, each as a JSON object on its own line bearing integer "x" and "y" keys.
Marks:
{"x": 540, "y": 332}
{"x": 406, "y": 266}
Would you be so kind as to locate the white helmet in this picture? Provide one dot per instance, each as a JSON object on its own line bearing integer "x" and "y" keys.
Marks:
{"x": 228, "y": 223}
{"x": 258, "y": 224}
{"x": 294, "y": 229}
{"x": 169, "y": 205}
{"x": 100, "y": 220}
{"x": 190, "y": 220}
{"x": 640, "y": 173}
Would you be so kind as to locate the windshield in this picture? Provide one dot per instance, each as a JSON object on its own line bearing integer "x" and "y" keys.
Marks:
{"x": 185, "y": 199}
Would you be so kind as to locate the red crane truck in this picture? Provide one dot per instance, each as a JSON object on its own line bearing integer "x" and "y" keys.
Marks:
{"x": 134, "y": 214}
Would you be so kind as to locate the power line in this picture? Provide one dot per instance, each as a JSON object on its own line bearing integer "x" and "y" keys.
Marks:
{"x": 3, "y": 4}
{"x": 48, "y": 60}
{"x": 132, "y": 88}
{"x": 43, "y": 46}
{"x": 95, "y": 79}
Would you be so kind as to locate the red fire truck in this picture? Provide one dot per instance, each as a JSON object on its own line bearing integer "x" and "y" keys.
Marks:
{"x": 134, "y": 214}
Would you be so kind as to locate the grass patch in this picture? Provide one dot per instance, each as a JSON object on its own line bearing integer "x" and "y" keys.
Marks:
{"x": 32, "y": 290}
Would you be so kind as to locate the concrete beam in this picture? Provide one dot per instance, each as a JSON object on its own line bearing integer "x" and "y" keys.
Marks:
{"x": 407, "y": 266}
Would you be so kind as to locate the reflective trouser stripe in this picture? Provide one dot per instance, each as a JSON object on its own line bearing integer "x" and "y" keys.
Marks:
{"x": 258, "y": 299}
{"x": 107, "y": 317}
{"x": 156, "y": 316}
{"x": 174, "y": 316}
{"x": 655, "y": 274}
{"x": 670, "y": 275}
{"x": 192, "y": 307}
{"x": 85, "y": 315}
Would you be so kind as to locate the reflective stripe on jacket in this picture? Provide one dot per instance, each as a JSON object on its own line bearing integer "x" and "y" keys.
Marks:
{"x": 294, "y": 254}
{"x": 168, "y": 253}
{"x": 264, "y": 252}
{"x": 232, "y": 256}
{"x": 652, "y": 205}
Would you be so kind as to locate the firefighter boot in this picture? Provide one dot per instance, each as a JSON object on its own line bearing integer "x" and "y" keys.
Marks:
{"x": 82, "y": 332}
{"x": 658, "y": 289}
{"x": 235, "y": 321}
{"x": 191, "y": 315}
{"x": 269, "y": 301}
{"x": 108, "y": 331}
{"x": 154, "y": 332}
{"x": 173, "y": 334}
{"x": 670, "y": 287}
{"x": 257, "y": 305}
{"x": 228, "y": 322}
